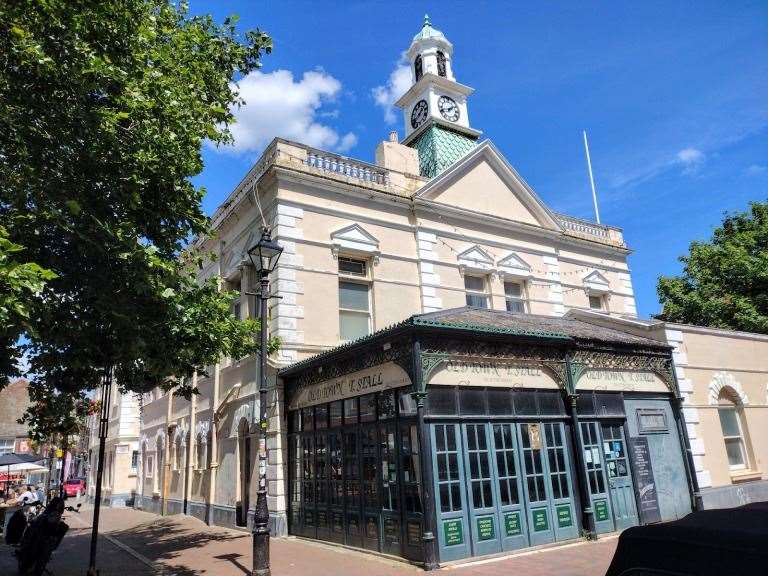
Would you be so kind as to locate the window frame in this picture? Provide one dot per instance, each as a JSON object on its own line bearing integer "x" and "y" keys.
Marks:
{"x": 468, "y": 292}
{"x": 352, "y": 278}
{"x": 522, "y": 299}
{"x": 600, "y": 299}
{"x": 739, "y": 439}
{"x": 150, "y": 467}
{"x": 4, "y": 445}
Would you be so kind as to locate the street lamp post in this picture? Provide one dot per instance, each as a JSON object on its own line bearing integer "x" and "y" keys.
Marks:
{"x": 264, "y": 256}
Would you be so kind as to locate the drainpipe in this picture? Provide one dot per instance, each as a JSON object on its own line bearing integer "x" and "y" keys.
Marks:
{"x": 213, "y": 457}
{"x": 428, "y": 537}
{"x": 587, "y": 513}
{"x": 685, "y": 444}
{"x": 191, "y": 446}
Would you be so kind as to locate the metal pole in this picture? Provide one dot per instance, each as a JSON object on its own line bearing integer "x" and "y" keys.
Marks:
{"x": 64, "y": 441}
{"x": 425, "y": 459}
{"x": 106, "y": 391}
{"x": 261, "y": 515}
{"x": 591, "y": 178}
{"x": 587, "y": 512}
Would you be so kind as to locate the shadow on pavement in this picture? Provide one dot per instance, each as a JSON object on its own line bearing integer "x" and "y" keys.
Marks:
{"x": 165, "y": 540}
{"x": 233, "y": 558}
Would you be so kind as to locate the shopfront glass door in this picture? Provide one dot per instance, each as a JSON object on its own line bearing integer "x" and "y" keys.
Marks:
{"x": 559, "y": 475}
{"x": 390, "y": 490}
{"x": 448, "y": 464}
{"x": 309, "y": 526}
{"x": 480, "y": 490}
{"x": 322, "y": 519}
{"x": 619, "y": 477}
{"x": 513, "y": 525}
{"x": 352, "y": 488}
{"x": 336, "y": 486}
{"x": 536, "y": 498}
{"x": 413, "y": 515}
{"x": 598, "y": 486}
{"x": 370, "y": 477}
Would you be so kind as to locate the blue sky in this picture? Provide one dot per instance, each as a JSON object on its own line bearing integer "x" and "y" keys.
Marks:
{"x": 674, "y": 96}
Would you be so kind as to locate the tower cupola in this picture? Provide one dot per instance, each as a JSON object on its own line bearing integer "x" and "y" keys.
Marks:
{"x": 430, "y": 52}
{"x": 435, "y": 106}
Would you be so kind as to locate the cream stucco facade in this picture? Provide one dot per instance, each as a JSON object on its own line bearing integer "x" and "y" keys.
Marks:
{"x": 366, "y": 246}
{"x": 121, "y": 453}
{"x": 418, "y": 239}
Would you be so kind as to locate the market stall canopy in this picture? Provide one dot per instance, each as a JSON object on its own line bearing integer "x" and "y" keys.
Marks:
{"x": 12, "y": 458}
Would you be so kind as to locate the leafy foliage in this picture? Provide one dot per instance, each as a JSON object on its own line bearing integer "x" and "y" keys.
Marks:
{"x": 19, "y": 281}
{"x": 53, "y": 412}
{"x": 104, "y": 107}
{"x": 725, "y": 281}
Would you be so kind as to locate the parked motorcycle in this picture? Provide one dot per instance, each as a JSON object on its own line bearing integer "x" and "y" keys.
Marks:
{"x": 42, "y": 536}
{"x": 19, "y": 521}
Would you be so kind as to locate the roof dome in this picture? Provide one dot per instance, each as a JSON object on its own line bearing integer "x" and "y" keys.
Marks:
{"x": 427, "y": 32}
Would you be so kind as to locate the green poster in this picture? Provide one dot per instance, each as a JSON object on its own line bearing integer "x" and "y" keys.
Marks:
{"x": 540, "y": 520}
{"x": 512, "y": 524}
{"x": 564, "y": 516}
{"x": 485, "y": 528}
{"x": 601, "y": 510}
{"x": 453, "y": 532}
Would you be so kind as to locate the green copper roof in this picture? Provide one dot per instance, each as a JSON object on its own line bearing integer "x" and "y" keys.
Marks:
{"x": 440, "y": 148}
{"x": 427, "y": 31}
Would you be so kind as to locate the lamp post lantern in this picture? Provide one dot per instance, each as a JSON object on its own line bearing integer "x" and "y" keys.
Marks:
{"x": 264, "y": 256}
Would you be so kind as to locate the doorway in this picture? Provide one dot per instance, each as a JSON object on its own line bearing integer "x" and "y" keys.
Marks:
{"x": 620, "y": 483}
{"x": 501, "y": 486}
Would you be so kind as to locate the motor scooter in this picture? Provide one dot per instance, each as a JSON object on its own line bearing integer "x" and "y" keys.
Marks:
{"x": 42, "y": 536}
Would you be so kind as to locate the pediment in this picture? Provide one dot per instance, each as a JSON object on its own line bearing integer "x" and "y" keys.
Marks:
{"x": 484, "y": 182}
{"x": 515, "y": 265}
{"x": 354, "y": 238}
{"x": 596, "y": 281}
{"x": 475, "y": 258}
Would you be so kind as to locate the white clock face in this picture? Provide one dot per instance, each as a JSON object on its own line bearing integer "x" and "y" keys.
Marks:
{"x": 448, "y": 108}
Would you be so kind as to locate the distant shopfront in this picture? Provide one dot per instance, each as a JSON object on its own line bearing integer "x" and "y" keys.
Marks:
{"x": 469, "y": 433}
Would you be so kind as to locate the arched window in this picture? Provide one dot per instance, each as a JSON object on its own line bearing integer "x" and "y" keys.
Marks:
{"x": 417, "y": 68}
{"x": 179, "y": 453}
{"x": 441, "y": 64}
{"x": 732, "y": 425}
{"x": 160, "y": 454}
{"x": 201, "y": 452}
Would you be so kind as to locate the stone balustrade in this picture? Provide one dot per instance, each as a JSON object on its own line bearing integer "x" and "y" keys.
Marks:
{"x": 328, "y": 162}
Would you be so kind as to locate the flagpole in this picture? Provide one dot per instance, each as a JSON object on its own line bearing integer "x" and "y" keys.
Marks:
{"x": 591, "y": 178}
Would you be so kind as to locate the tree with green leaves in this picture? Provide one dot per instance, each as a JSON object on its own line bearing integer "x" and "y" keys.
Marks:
{"x": 104, "y": 107}
{"x": 724, "y": 283}
{"x": 19, "y": 282}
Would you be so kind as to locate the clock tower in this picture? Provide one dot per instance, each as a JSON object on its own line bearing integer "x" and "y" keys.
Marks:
{"x": 435, "y": 106}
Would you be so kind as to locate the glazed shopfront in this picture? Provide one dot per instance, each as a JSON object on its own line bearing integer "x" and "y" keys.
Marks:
{"x": 467, "y": 433}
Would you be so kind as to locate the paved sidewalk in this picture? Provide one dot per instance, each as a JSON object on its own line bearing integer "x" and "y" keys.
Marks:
{"x": 136, "y": 543}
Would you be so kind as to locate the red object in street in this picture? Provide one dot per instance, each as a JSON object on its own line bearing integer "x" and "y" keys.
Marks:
{"x": 74, "y": 487}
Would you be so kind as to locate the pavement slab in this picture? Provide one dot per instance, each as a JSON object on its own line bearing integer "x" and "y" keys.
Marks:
{"x": 135, "y": 543}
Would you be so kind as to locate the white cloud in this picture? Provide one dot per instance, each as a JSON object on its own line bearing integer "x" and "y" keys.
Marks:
{"x": 278, "y": 105}
{"x": 756, "y": 170}
{"x": 691, "y": 159}
{"x": 397, "y": 85}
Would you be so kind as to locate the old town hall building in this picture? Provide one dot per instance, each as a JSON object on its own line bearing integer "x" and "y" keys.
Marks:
{"x": 461, "y": 370}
